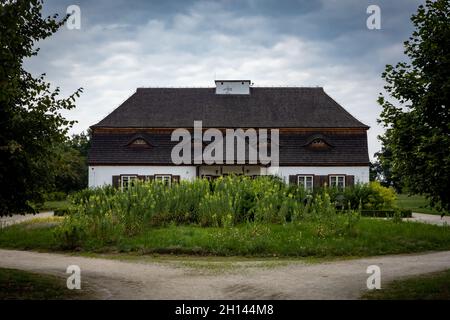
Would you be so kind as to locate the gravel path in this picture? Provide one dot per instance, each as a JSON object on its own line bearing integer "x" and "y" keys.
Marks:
{"x": 430, "y": 218}
{"x": 19, "y": 218}
{"x": 112, "y": 279}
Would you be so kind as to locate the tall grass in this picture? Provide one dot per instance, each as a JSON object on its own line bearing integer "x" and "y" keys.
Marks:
{"x": 107, "y": 214}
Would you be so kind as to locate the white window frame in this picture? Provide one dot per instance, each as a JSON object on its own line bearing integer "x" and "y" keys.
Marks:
{"x": 337, "y": 176}
{"x": 129, "y": 178}
{"x": 164, "y": 178}
{"x": 303, "y": 183}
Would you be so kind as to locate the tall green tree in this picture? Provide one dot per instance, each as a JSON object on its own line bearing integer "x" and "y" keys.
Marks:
{"x": 72, "y": 170}
{"x": 418, "y": 117}
{"x": 30, "y": 110}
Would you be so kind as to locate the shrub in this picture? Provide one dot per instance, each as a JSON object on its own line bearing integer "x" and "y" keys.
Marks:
{"x": 372, "y": 196}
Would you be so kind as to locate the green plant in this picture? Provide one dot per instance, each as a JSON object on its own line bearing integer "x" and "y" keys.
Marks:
{"x": 108, "y": 215}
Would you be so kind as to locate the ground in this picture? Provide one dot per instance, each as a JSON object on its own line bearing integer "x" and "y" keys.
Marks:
{"x": 242, "y": 279}
{"x": 135, "y": 276}
{"x": 430, "y": 219}
{"x": 18, "y": 218}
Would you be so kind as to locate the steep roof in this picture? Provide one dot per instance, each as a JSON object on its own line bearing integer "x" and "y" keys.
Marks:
{"x": 277, "y": 107}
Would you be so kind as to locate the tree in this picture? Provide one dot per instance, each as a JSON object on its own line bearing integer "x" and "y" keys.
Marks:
{"x": 383, "y": 168}
{"x": 72, "y": 169}
{"x": 418, "y": 121}
{"x": 30, "y": 111}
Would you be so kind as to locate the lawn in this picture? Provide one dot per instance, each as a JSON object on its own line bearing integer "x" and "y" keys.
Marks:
{"x": 59, "y": 207}
{"x": 435, "y": 286}
{"x": 370, "y": 237}
{"x": 416, "y": 203}
{"x": 21, "y": 285}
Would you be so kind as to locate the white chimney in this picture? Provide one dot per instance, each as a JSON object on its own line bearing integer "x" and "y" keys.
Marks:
{"x": 233, "y": 86}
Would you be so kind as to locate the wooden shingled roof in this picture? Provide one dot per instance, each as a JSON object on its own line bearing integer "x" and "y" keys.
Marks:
{"x": 264, "y": 107}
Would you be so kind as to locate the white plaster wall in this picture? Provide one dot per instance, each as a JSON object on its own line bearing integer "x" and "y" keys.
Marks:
{"x": 212, "y": 170}
{"x": 102, "y": 175}
{"x": 361, "y": 173}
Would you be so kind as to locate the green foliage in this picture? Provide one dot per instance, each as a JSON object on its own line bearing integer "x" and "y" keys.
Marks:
{"x": 107, "y": 214}
{"x": 55, "y": 196}
{"x": 31, "y": 124}
{"x": 71, "y": 173}
{"x": 416, "y": 145}
{"x": 415, "y": 203}
{"x": 371, "y": 196}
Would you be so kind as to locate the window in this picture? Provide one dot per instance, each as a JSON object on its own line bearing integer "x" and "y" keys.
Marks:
{"x": 139, "y": 142}
{"x": 127, "y": 181}
{"x": 165, "y": 179}
{"x": 337, "y": 182}
{"x": 306, "y": 182}
{"x": 318, "y": 144}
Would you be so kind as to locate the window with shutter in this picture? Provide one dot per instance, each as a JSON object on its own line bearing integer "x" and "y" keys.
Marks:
{"x": 306, "y": 181}
{"x": 337, "y": 181}
{"x": 127, "y": 181}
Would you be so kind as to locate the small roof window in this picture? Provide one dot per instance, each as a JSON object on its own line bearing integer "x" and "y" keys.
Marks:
{"x": 318, "y": 142}
{"x": 139, "y": 141}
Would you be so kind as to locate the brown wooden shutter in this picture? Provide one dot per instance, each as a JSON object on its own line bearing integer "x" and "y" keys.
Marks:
{"x": 349, "y": 181}
{"x": 293, "y": 179}
{"x": 116, "y": 181}
{"x": 316, "y": 182}
{"x": 175, "y": 179}
{"x": 323, "y": 180}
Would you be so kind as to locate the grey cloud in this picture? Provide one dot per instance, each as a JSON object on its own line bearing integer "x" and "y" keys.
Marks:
{"x": 126, "y": 44}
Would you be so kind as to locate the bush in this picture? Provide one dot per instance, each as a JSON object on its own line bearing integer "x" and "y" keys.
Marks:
{"x": 61, "y": 212}
{"x": 371, "y": 196}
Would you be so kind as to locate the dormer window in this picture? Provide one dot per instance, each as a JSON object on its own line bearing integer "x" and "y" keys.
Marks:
{"x": 139, "y": 142}
{"x": 318, "y": 142}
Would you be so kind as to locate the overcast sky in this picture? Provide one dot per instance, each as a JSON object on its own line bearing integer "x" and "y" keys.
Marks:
{"x": 125, "y": 44}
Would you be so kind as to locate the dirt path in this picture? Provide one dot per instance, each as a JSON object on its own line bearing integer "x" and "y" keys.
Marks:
{"x": 113, "y": 279}
{"x": 429, "y": 218}
{"x": 19, "y": 218}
